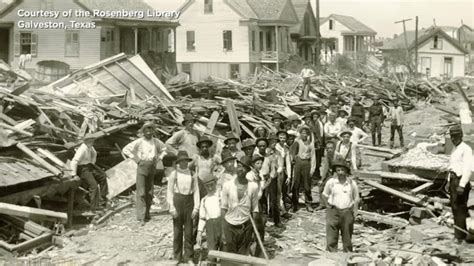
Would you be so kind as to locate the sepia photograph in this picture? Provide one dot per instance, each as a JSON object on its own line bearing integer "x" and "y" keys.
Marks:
{"x": 236, "y": 132}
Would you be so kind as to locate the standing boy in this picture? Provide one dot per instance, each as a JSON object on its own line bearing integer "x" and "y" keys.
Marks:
{"x": 396, "y": 125}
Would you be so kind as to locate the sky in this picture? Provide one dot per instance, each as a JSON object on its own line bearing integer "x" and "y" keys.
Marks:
{"x": 381, "y": 15}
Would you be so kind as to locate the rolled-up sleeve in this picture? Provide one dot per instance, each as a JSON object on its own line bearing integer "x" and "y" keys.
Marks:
{"x": 466, "y": 166}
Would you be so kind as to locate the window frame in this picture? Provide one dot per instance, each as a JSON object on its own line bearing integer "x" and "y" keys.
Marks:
{"x": 78, "y": 43}
{"x": 191, "y": 48}
{"x": 227, "y": 42}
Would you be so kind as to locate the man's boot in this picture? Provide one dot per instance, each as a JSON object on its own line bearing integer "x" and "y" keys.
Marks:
{"x": 379, "y": 138}
{"x": 373, "y": 139}
{"x": 401, "y": 142}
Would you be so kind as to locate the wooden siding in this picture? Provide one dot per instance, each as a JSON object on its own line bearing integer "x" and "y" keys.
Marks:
{"x": 208, "y": 30}
{"x": 336, "y": 33}
{"x": 51, "y": 43}
{"x": 201, "y": 71}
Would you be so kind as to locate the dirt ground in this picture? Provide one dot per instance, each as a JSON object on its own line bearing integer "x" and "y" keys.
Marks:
{"x": 122, "y": 241}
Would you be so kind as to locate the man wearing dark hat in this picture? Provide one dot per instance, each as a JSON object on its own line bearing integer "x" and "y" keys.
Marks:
{"x": 376, "y": 118}
{"x": 187, "y": 138}
{"x": 305, "y": 164}
{"x": 183, "y": 199}
{"x": 146, "y": 151}
{"x": 228, "y": 161}
{"x": 346, "y": 151}
{"x": 239, "y": 201}
{"x": 277, "y": 120}
{"x": 231, "y": 144}
{"x": 248, "y": 147}
{"x": 210, "y": 217}
{"x": 203, "y": 164}
{"x": 254, "y": 176}
{"x": 342, "y": 196}
{"x": 396, "y": 122}
{"x": 358, "y": 112}
{"x": 83, "y": 165}
{"x": 460, "y": 167}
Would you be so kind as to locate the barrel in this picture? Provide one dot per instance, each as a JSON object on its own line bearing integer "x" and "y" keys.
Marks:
{"x": 50, "y": 70}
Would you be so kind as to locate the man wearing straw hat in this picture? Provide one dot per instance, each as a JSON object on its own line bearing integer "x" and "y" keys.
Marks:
{"x": 342, "y": 197}
{"x": 203, "y": 164}
{"x": 183, "y": 199}
{"x": 83, "y": 165}
{"x": 146, "y": 151}
{"x": 239, "y": 201}
{"x": 187, "y": 138}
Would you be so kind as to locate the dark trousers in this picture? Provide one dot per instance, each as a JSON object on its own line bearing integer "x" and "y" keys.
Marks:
{"x": 359, "y": 120}
{"x": 399, "y": 130}
{"x": 376, "y": 129}
{"x": 145, "y": 176}
{"x": 459, "y": 205}
{"x": 306, "y": 86}
{"x": 302, "y": 171}
{"x": 184, "y": 205}
{"x": 274, "y": 200}
{"x": 322, "y": 202}
{"x": 95, "y": 182}
{"x": 214, "y": 234}
{"x": 319, "y": 157}
{"x": 238, "y": 237}
{"x": 339, "y": 220}
{"x": 260, "y": 224}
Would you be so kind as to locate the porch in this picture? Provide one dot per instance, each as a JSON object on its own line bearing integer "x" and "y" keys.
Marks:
{"x": 270, "y": 44}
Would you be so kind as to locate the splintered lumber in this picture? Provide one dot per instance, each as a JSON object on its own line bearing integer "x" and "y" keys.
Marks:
{"x": 17, "y": 130}
{"x": 7, "y": 119}
{"x": 236, "y": 258}
{"x": 399, "y": 194}
{"x": 109, "y": 213}
{"x": 233, "y": 117}
{"x": 211, "y": 124}
{"x": 446, "y": 110}
{"x": 32, "y": 213}
{"x": 380, "y": 149}
{"x": 379, "y": 154}
{"x": 390, "y": 175}
{"x": 52, "y": 157}
{"x": 375, "y": 217}
{"x": 38, "y": 159}
{"x": 421, "y": 188}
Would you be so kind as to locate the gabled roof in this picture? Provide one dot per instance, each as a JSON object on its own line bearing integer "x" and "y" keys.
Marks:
{"x": 423, "y": 36}
{"x": 350, "y": 22}
{"x": 466, "y": 34}
{"x": 261, "y": 10}
{"x": 300, "y": 7}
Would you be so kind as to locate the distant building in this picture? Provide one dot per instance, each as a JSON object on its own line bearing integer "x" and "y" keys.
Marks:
{"x": 465, "y": 35}
{"x": 439, "y": 55}
{"x": 230, "y": 38}
{"x": 303, "y": 34}
{"x": 347, "y": 36}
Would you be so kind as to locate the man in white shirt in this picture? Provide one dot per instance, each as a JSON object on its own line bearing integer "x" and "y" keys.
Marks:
{"x": 460, "y": 165}
{"x": 358, "y": 135}
{"x": 306, "y": 74}
{"x": 83, "y": 165}
{"x": 331, "y": 128}
{"x": 187, "y": 138}
{"x": 396, "y": 116}
{"x": 342, "y": 196}
{"x": 146, "y": 151}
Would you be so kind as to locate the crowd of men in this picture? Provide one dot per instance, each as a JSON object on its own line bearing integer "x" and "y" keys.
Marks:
{"x": 233, "y": 190}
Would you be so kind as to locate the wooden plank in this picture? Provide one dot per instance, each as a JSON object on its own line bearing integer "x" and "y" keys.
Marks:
{"x": 14, "y": 129}
{"x": 446, "y": 110}
{"x": 233, "y": 117}
{"x": 236, "y": 258}
{"x": 32, "y": 213}
{"x": 8, "y": 119}
{"x": 379, "y": 154}
{"x": 211, "y": 124}
{"x": 25, "y": 124}
{"x": 38, "y": 159}
{"x": 390, "y": 175}
{"x": 116, "y": 77}
{"x": 121, "y": 177}
{"x": 133, "y": 77}
{"x": 399, "y": 194}
{"x": 375, "y": 217}
{"x": 380, "y": 149}
{"x": 52, "y": 157}
{"x": 421, "y": 188}
{"x": 247, "y": 130}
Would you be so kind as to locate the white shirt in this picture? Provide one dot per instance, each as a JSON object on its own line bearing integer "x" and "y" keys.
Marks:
{"x": 341, "y": 195}
{"x": 342, "y": 122}
{"x": 332, "y": 130}
{"x": 84, "y": 155}
{"x": 396, "y": 114}
{"x": 239, "y": 211}
{"x": 460, "y": 162}
{"x": 358, "y": 135}
{"x": 184, "y": 140}
{"x": 145, "y": 150}
{"x": 307, "y": 73}
{"x": 210, "y": 208}
{"x": 182, "y": 182}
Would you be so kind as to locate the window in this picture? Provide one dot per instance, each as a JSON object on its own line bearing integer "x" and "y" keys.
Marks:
{"x": 227, "y": 40}
{"x": 47, "y": 5}
{"x": 234, "y": 71}
{"x": 306, "y": 26}
{"x": 108, "y": 35}
{"x": 207, "y": 6}
{"x": 253, "y": 41}
{"x": 26, "y": 43}
{"x": 186, "y": 68}
{"x": 190, "y": 41}
{"x": 437, "y": 42}
{"x": 72, "y": 43}
{"x": 261, "y": 40}
{"x": 331, "y": 24}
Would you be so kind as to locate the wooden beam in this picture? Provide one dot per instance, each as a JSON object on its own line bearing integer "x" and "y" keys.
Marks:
{"x": 375, "y": 217}
{"x": 233, "y": 117}
{"x": 14, "y": 129}
{"x": 399, "y": 194}
{"x": 32, "y": 213}
{"x": 115, "y": 77}
{"x": 390, "y": 175}
{"x": 421, "y": 188}
{"x": 8, "y": 119}
{"x": 133, "y": 77}
{"x": 236, "y": 258}
{"x": 52, "y": 157}
{"x": 212, "y": 121}
{"x": 38, "y": 159}
{"x": 380, "y": 149}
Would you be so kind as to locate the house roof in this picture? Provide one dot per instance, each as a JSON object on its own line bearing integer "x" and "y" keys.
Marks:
{"x": 15, "y": 171}
{"x": 423, "y": 36}
{"x": 262, "y": 10}
{"x": 466, "y": 34}
{"x": 300, "y": 7}
{"x": 350, "y": 22}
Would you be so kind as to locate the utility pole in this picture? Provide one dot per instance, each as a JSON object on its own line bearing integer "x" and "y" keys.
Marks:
{"x": 416, "y": 48}
{"x": 318, "y": 37}
{"x": 406, "y": 41}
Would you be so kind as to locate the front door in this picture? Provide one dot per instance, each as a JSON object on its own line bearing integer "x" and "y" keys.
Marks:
{"x": 448, "y": 67}
{"x": 4, "y": 44}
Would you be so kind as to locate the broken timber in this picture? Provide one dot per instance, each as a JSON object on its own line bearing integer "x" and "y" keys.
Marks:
{"x": 399, "y": 194}
{"x": 375, "y": 217}
{"x": 390, "y": 175}
{"x": 38, "y": 159}
{"x": 32, "y": 213}
{"x": 236, "y": 258}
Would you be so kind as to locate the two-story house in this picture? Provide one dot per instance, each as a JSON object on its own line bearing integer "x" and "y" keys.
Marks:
{"x": 439, "y": 55}
{"x": 465, "y": 35}
{"x": 231, "y": 38}
{"x": 304, "y": 34}
{"x": 104, "y": 35}
{"x": 345, "y": 35}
